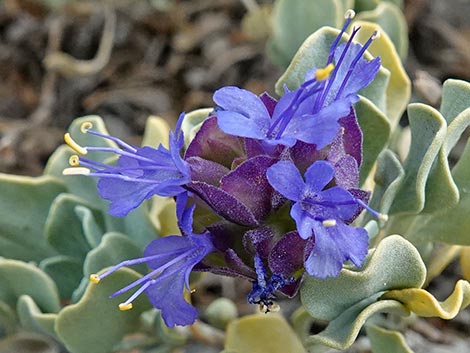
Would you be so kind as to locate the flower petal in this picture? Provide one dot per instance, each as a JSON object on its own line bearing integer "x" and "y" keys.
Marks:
{"x": 224, "y": 204}
{"x": 320, "y": 128}
{"x": 248, "y": 183}
{"x": 167, "y": 295}
{"x": 246, "y": 103}
{"x": 333, "y": 246}
{"x": 207, "y": 171}
{"x": 286, "y": 257}
{"x": 239, "y": 125}
{"x": 303, "y": 220}
{"x": 345, "y": 206}
{"x": 286, "y": 179}
{"x": 347, "y": 172}
{"x": 213, "y": 144}
{"x": 318, "y": 175}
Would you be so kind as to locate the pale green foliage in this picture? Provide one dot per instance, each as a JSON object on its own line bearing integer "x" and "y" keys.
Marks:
{"x": 94, "y": 325}
{"x": 62, "y": 224}
{"x": 293, "y": 21}
{"x": 59, "y": 231}
{"x": 386, "y": 341}
{"x": 262, "y": 333}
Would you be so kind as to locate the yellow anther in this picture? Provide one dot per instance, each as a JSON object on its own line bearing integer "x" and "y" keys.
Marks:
{"x": 193, "y": 290}
{"x": 73, "y": 145}
{"x": 87, "y": 125}
{"x": 74, "y": 160}
{"x": 349, "y": 14}
{"x": 329, "y": 223}
{"x": 124, "y": 306}
{"x": 76, "y": 171}
{"x": 323, "y": 74}
{"x": 94, "y": 278}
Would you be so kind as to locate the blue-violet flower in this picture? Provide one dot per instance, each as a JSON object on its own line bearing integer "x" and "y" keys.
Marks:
{"x": 171, "y": 259}
{"x": 311, "y": 112}
{"x": 141, "y": 172}
{"x": 321, "y": 213}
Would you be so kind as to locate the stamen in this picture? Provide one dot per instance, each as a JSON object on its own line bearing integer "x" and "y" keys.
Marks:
{"x": 153, "y": 273}
{"x": 118, "y": 141}
{"x": 323, "y": 74}
{"x": 76, "y": 171}
{"x": 380, "y": 216}
{"x": 128, "y": 303}
{"x": 94, "y": 278}
{"x": 121, "y": 152}
{"x": 124, "y": 306}
{"x": 74, "y": 161}
{"x": 349, "y": 14}
{"x": 329, "y": 223}
{"x": 114, "y": 176}
{"x": 284, "y": 118}
{"x": 94, "y": 164}
{"x": 383, "y": 217}
{"x": 374, "y": 36}
{"x": 87, "y": 125}
{"x": 321, "y": 97}
{"x": 73, "y": 145}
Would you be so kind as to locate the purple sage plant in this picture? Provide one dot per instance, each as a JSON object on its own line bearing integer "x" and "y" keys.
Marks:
{"x": 278, "y": 179}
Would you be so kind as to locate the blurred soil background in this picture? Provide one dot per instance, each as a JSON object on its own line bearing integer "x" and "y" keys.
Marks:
{"x": 125, "y": 60}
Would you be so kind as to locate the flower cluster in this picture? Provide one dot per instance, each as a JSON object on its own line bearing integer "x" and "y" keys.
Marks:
{"x": 274, "y": 183}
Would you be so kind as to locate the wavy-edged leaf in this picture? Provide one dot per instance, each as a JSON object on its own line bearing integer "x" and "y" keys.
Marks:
{"x": 137, "y": 224}
{"x": 423, "y": 303}
{"x": 113, "y": 249}
{"x": 365, "y": 5}
{"x": 441, "y": 190}
{"x": 8, "y": 320}
{"x": 18, "y": 278}
{"x": 376, "y": 132}
{"x": 394, "y": 264}
{"x": 293, "y": 22}
{"x": 260, "y": 334}
{"x": 66, "y": 272}
{"x": 451, "y": 226}
{"x": 314, "y": 53}
{"x": 392, "y": 20}
{"x": 465, "y": 262}
{"x": 63, "y": 229}
{"x": 343, "y": 330}
{"x": 388, "y": 178}
{"x": 163, "y": 215}
{"x": 32, "y": 318}
{"x": 92, "y": 230}
{"x": 156, "y": 132}
{"x": 386, "y": 341}
{"x": 399, "y": 88}
{"x": 95, "y": 324}
{"x": 24, "y": 204}
{"x": 428, "y": 132}
{"x": 455, "y": 98}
